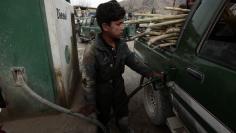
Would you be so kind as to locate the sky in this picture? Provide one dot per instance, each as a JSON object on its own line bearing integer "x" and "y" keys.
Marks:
{"x": 91, "y": 3}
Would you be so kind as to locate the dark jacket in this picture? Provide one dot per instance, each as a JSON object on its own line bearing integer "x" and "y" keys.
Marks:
{"x": 99, "y": 69}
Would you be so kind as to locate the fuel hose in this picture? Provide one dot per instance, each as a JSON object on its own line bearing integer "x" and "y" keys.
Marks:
{"x": 136, "y": 90}
{"x": 21, "y": 83}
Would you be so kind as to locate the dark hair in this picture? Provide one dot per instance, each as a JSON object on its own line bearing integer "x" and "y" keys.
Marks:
{"x": 108, "y": 12}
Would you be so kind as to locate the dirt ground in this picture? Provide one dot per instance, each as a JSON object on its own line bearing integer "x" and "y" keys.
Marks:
{"x": 62, "y": 123}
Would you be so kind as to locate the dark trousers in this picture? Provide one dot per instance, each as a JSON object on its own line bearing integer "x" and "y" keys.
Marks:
{"x": 2, "y": 102}
{"x": 110, "y": 96}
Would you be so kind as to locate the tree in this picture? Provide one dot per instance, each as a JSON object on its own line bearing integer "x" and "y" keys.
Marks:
{"x": 131, "y": 4}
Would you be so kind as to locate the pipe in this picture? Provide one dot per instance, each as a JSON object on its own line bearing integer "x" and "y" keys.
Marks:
{"x": 21, "y": 83}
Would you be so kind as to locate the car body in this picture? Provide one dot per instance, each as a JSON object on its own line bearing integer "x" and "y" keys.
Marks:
{"x": 201, "y": 71}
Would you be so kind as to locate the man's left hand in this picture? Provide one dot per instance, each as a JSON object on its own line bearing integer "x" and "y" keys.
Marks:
{"x": 157, "y": 75}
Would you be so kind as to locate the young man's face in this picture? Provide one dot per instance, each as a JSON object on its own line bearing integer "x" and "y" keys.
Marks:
{"x": 115, "y": 29}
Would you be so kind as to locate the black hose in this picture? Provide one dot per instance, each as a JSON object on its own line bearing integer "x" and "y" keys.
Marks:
{"x": 141, "y": 86}
{"x": 136, "y": 90}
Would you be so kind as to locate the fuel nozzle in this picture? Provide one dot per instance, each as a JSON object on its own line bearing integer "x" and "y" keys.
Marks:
{"x": 158, "y": 83}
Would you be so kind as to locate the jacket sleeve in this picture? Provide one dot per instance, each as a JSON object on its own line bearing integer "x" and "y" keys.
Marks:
{"x": 136, "y": 65}
{"x": 89, "y": 74}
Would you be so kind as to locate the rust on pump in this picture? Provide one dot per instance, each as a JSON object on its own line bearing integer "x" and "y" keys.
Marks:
{"x": 60, "y": 88}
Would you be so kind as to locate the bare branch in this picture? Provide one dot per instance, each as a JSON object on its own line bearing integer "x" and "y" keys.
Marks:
{"x": 167, "y": 23}
{"x": 178, "y": 9}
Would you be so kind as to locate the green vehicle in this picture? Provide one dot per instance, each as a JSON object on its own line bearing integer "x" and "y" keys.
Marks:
{"x": 200, "y": 70}
{"x": 129, "y": 31}
{"x": 88, "y": 28}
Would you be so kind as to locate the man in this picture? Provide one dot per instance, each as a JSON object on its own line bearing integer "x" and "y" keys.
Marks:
{"x": 103, "y": 65}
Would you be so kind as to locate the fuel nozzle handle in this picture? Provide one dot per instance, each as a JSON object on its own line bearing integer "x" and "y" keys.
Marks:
{"x": 158, "y": 83}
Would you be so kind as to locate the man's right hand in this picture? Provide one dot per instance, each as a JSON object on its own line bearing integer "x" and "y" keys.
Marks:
{"x": 87, "y": 109}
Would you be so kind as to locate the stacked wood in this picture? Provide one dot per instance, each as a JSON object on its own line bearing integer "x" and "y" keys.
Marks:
{"x": 149, "y": 15}
{"x": 161, "y": 30}
{"x": 156, "y": 19}
{"x": 161, "y": 37}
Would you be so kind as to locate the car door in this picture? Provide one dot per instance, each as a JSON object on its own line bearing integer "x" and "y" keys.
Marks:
{"x": 94, "y": 28}
{"x": 87, "y": 27}
{"x": 82, "y": 27}
{"x": 205, "y": 88}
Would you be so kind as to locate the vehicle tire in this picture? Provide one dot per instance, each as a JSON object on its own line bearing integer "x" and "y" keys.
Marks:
{"x": 157, "y": 104}
{"x": 82, "y": 40}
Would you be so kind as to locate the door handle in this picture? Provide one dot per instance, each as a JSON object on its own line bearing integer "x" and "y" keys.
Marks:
{"x": 196, "y": 74}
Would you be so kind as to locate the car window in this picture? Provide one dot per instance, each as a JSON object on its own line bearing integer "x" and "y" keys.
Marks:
{"x": 220, "y": 47}
{"x": 88, "y": 20}
{"x": 93, "y": 21}
{"x": 83, "y": 21}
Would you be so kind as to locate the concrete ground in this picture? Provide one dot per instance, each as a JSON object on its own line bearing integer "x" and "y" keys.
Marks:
{"x": 61, "y": 123}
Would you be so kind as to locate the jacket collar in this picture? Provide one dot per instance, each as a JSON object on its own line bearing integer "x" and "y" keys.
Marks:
{"x": 101, "y": 44}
